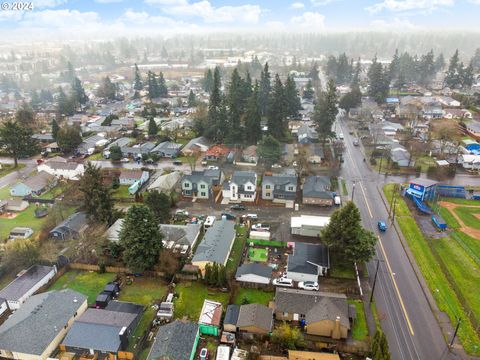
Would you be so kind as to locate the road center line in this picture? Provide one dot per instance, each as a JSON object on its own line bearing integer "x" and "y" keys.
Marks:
{"x": 396, "y": 287}
{"x": 366, "y": 201}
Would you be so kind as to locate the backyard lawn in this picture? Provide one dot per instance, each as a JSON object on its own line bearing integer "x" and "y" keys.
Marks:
{"x": 359, "y": 330}
{"x": 56, "y": 191}
{"x": 441, "y": 289}
{"x": 88, "y": 283}
{"x": 258, "y": 255}
{"x": 121, "y": 192}
{"x": 190, "y": 299}
{"x": 237, "y": 250}
{"x": 424, "y": 162}
{"x": 253, "y": 296}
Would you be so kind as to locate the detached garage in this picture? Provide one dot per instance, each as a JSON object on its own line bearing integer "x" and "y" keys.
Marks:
{"x": 307, "y": 225}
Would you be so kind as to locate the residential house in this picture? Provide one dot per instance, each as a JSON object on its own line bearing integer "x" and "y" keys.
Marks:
{"x": 255, "y": 319}
{"x": 113, "y": 232}
{"x": 197, "y": 145}
{"x": 472, "y": 128}
{"x": 44, "y": 138}
{"x": 457, "y": 114}
{"x": 280, "y": 187}
{"x": 26, "y": 284}
{"x": 35, "y": 185}
{"x": 216, "y": 152}
{"x": 20, "y": 232}
{"x": 52, "y": 147}
{"x": 177, "y": 340}
{"x": 16, "y": 205}
{"x": 306, "y": 134}
{"x": 121, "y": 143}
{"x": 165, "y": 183}
{"x": 130, "y": 177}
{"x": 447, "y": 101}
{"x": 216, "y": 245}
{"x": 433, "y": 112}
{"x": 308, "y": 262}
{"x": 167, "y": 149}
{"x": 400, "y": 155}
{"x": 35, "y": 330}
{"x": 317, "y": 191}
{"x": 125, "y": 123}
{"x": 231, "y": 318}
{"x": 253, "y": 274}
{"x": 317, "y": 156}
{"x": 72, "y": 227}
{"x": 103, "y": 331}
{"x": 249, "y": 154}
{"x": 136, "y": 151}
{"x": 61, "y": 168}
{"x": 88, "y": 146}
{"x": 242, "y": 187}
{"x": 308, "y": 225}
{"x": 326, "y": 314}
{"x": 180, "y": 237}
{"x": 200, "y": 183}
{"x": 469, "y": 161}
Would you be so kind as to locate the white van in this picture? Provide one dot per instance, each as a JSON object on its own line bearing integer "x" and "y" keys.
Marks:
{"x": 283, "y": 281}
{"x": 252, "y": 216}
{"x": 209, "y": 221}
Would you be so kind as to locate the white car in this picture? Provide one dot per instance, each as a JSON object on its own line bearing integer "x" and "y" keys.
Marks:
{"x": 276, "y": 166}
{"x": 125, "y": 160}
{"x": 260, "y": 227}
{"x": 212, "y": 167}
{"x": 283, "y": 281}
{"x": 308, "y": 285}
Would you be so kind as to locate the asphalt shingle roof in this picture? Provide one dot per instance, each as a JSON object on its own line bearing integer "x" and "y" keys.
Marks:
{"x": 254, "y": 268}
{"x": 32, "y": 328}
{"x": 306, "y": 257}
{"x": 181, "y": 234}
{"x": 99, "y": 337}
{"x": 231, "y": 315}
{"x": 216, "y": 244}
{"x": 174, "y": 341}
{"x": 22, "y": 284}
{"x": 255, "y": 315}
{"x": 317, "y": 186}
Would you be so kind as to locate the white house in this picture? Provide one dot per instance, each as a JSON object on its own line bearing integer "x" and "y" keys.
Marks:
{"x": 242, "y": 187}
{"x": 307, "y": 225}
{"x": 469, "y": 161}
{"x": 130, "y": 177}
{"x": 26, "y": 284}
{"x": 62, "y": 168}
{"x": 254, "y": 273}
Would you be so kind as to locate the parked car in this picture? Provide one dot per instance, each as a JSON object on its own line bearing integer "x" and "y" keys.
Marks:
{"x": 276, "y": 166}
{"x": 238, "y": 207}
{"x": 125, "y": 160}
{"x": 260, "y": 227}
{"x": 283, "y": 281}
{"x": 308, "y": 285}
{"x": 203, "y": 354}
{"x": 212, "y": 167}
{"x": 228, "y": 216}
{"x": 181, "y": 212}
{"x": 382, "y": 226}
{"x": 204, "y": 163}
{"x": 251, "y": 216}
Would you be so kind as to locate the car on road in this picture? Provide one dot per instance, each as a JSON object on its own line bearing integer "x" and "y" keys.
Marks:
{"x": 308, "y": 285}
{"x": 355, "y": 142}
{"x": 238, "y": 207}
{"x": 203, "y": 354}
{"x": 283, "y": 281}
{"x": 382, "y": 226}
{"x": 212, "y": 167}
{"x": 261, "y": 227}
{"x": 228, "y": 216}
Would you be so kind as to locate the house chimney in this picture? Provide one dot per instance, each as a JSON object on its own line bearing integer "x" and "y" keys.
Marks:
{"x": 336, "y": 334}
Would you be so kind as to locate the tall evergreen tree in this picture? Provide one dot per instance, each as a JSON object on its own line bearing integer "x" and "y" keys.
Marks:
{"x": 439, "y": 62}
{"x": 264, "y": 90}
{"x": 107, "y": 89}
{"x": 379, "y": 347}
{"x": 25, "y": 116}
{"x": 378, "y": 81}
{"x": 192, "y": 100}
{"x": 162, "y": 86}
{"x": 453, "y": 77}
{"x": 208, "y": 81}
{"x": 55, "y": 129}
{"x": 16, "y": 141}
{"x": 356, "y": 73}
{"x": 253, "y": 117}
{"x": 68, "y": 138}
{"x": 292, "y": 99}
{"x": 308, "y": 92}
{"x": 234, "y": 101}
{"x": 326, "y": 112}
{"x": 65, "y": 106}
{"x": 153, "y": 88}
{"x": 276, "y": 116}
{"x": 137, "y": 84}
{"x": 78, "y": 92}
{"x": 97, "y": 199}
{"x": 152, "y": 127}
{"x": 159, "y": 204}
{"x": 216, "y": 125}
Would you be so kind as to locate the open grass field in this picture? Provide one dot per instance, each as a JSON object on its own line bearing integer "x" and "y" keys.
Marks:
{"x": 145, "y": 291}
{"x": 467, "y": 202}
{"x": 258, "y": 255}
{"x": 253, "y": 296}
{"x": 441, "y": 289}
{"x": 25, "y": 218}
{"x": 190, "y": 299}
{"x": 88, "y": 283}
{"x": 469, "y": 215}
{"x": 359, "y": 330}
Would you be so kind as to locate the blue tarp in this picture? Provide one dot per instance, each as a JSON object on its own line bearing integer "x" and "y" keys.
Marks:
{"x": 422, "y": 206}
{"x": 439, "y": 222}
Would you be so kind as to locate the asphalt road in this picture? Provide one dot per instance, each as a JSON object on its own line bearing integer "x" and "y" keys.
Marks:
{"x": 14, "y": 176}
{"x": 408, "y": 321}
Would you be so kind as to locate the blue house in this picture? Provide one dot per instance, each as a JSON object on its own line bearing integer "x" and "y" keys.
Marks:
{"x": 35, "y": 185}
{"x": 422, "y": 189}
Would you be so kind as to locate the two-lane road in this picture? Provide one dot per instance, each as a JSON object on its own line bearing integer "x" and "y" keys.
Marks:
{"x": 407, "y": 319}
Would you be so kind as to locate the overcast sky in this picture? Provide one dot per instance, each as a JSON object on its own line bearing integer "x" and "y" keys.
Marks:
{"x": 106, "y": 18}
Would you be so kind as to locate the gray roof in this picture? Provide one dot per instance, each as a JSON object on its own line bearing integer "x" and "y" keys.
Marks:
{"x": 254, "y": 268}
{"x": 174, "y": 341}
{"x": 307, "y": 257}
{"x": 43, "y": 137}
{"x": 423, "y": 182}
{"x": 22, "y": 284}
{"x": 280, "y": 179}
{"x": 58, "y": 165}
{"x": 181, "y": 234}
{"x": 317, "y": 186}
{"x": 209, "y": 176}
{"x": 216, "y": 244}
{"x": 39, "y": 181}
{"x": 168, "y": 147}
{"x": 99, "y": 337}
{"x": 75, "y": 222}
{"x": 124, "y": 306}
{"x": 315, "y": 305}
{"x": 231, "y": 315}
{"x": 32, "y": 328}
{"x": 107, "y": 317}
{"x": 121, "y": 142}
{"x": 199, "y": 140}
{"x": 243, "y": 177}
{"x": 255, "y": 315}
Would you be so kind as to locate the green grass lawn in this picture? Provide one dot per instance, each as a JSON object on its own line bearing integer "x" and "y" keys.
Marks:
{"x": 344, "y": 188}
{"x": 237, "y": 250}
{"x": 96, "y": 156}
{"x": 462, "y": 201}
{"x": 253, "y": 296}
{"x": 8, "y": 168}
{"x": 190, "y": 299}
{"x": 452, "y": 223}
{"x": 56, "y": 191}
{"x": 424, "y": 162}
{"x": 439, "y": 285}
{"x": 88, "y": 283}
{"x": 121, "y": 192}
{"x": 5, "y": 193}
{"x": 258, "y": 255}
{"x": 267, "y": 243}
{"x": 25, "y": 218}
{"x": 467, "y": 215}
{"x": 145, "y": 291}
{"x": 359, "y": 330}
{"x": 342, "y": 271}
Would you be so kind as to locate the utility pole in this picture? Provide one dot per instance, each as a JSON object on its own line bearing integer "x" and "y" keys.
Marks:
{"x": 393, "y": 198}
{"x": 374, "y": 281}
{"x": 353, "y": 190}
{"x": 394, "y": 208}
{"x": 455, "y": 333}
